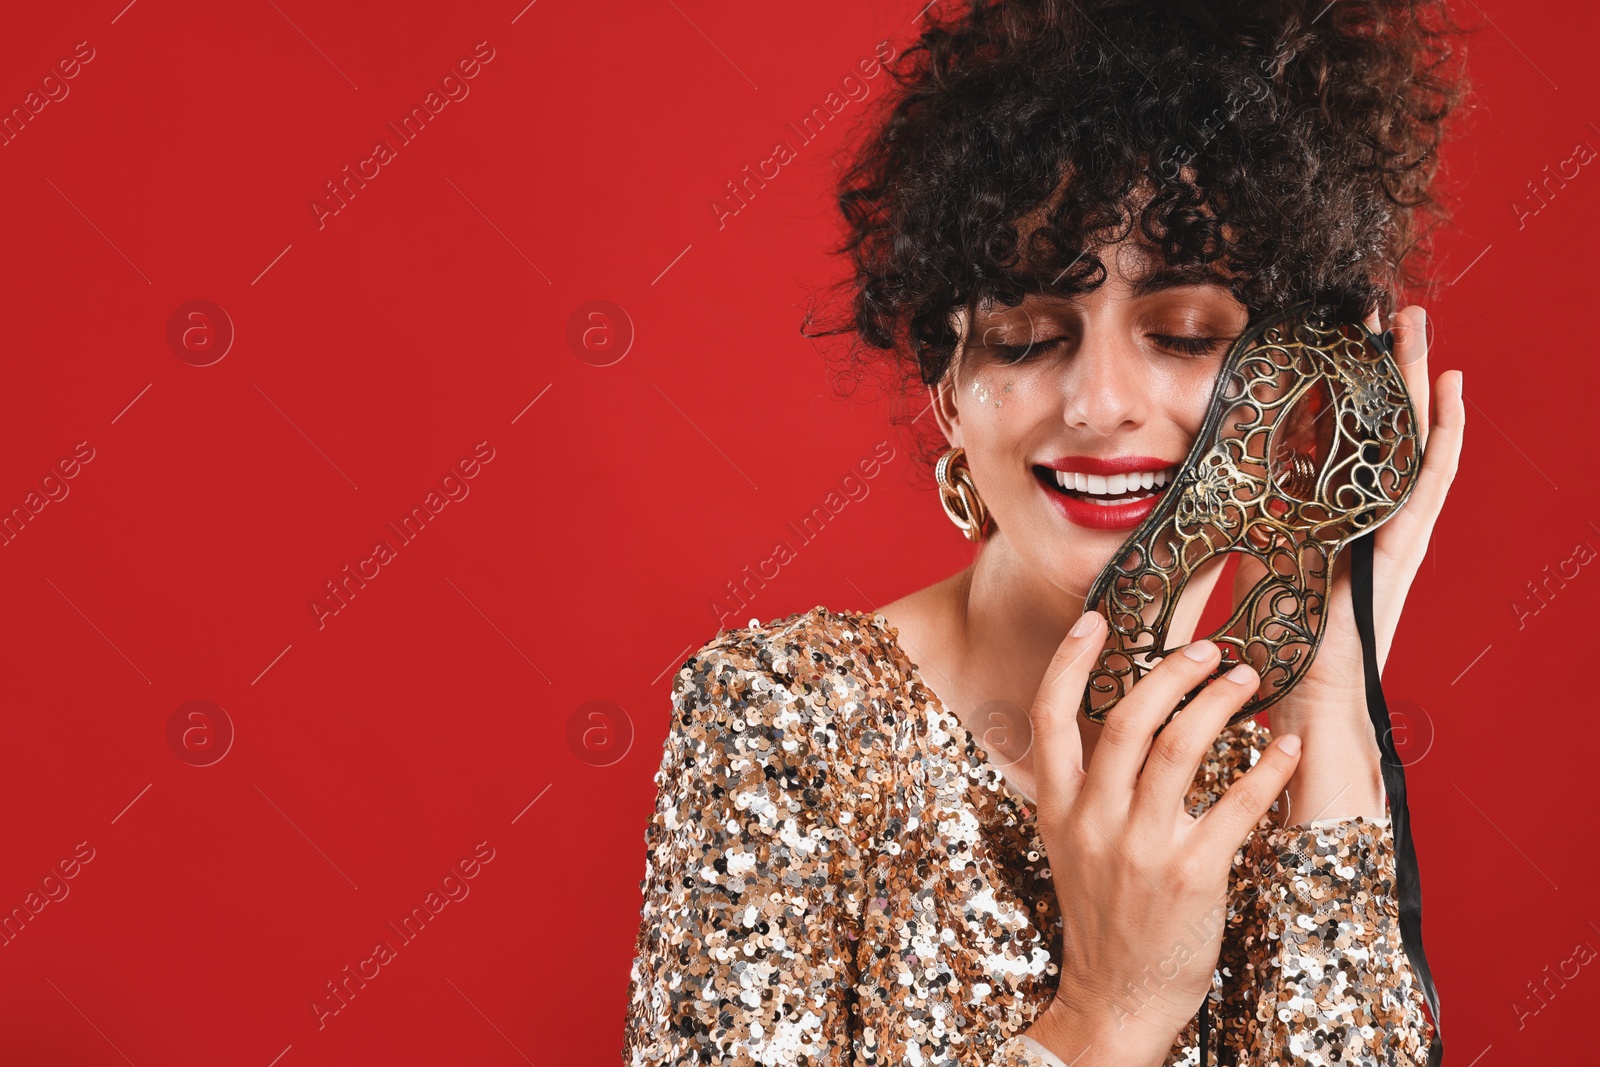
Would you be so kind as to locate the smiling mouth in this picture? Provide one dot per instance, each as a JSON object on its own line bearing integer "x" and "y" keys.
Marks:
{"x": 1107, "y": 490}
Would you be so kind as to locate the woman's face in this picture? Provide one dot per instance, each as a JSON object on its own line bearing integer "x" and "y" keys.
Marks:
{"x": 1076, "y": 412}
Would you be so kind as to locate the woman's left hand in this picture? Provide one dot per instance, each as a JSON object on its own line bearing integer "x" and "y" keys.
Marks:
{"x": 1328, "y": 707}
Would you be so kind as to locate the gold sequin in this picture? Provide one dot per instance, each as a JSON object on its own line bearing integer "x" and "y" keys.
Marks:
{"x": 837, "y": 875}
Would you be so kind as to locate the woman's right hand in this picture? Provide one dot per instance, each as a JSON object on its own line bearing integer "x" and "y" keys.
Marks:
{"x": 1142, "y": 884}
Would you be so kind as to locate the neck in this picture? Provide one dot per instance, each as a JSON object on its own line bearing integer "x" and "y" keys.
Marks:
{"x": 1006, "y": 623}
{"x": 1011, "y": 617}
{"x": 1009, "y": 620}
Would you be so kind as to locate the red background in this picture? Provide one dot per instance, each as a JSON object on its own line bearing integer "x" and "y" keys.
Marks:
{"x": 374, "y": 352}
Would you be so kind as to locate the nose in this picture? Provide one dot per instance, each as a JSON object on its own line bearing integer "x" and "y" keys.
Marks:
{"x": 1105, "y": 390}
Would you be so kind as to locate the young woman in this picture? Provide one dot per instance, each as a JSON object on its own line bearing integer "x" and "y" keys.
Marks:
{"x": 889, "y": 837}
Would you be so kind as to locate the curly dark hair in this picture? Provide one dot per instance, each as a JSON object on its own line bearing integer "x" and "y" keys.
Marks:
{"x": 1290, "y": 147}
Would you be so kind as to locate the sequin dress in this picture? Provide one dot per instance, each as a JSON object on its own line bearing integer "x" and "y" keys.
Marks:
{"x": 837, "y": 875}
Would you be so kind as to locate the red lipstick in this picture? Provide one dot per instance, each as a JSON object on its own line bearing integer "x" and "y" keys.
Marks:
{"x": 1081, "y": 509}
{"x": 1109, "y": 464}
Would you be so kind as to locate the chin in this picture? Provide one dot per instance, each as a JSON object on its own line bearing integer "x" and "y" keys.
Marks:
{"x": 1070, "y": 561}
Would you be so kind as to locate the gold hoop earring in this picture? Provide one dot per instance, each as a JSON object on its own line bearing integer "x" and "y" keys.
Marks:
{"x": 959, "y": 494}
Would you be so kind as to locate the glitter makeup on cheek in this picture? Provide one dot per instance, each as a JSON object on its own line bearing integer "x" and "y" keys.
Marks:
{"x": 983, "y": 394}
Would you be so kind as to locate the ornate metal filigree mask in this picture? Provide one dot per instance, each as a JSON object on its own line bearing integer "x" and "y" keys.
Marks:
{"x": 1310, "y": 441}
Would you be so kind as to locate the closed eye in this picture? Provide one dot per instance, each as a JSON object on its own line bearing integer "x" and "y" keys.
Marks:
{"x": 1193, "y": 346}
{"x": 1018, "y": 353}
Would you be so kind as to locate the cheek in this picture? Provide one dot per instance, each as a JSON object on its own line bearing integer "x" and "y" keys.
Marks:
{"x": 1003, "y": 413}
{"x": 1006, "y": 390}
{"x": 991, "y": 388}
{"x": 1186, "y": 395}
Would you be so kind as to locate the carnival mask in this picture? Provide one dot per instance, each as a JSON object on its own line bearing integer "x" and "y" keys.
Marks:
{"x": 1310, "y": 441}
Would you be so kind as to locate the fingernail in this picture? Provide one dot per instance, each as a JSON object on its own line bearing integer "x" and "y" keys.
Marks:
{"x": 1244, "y": 674}
{"x": 1461, "y": 383}
{"x": 1200, "y": 651}
{"x": 1085, "y": 624}
{"x": 1290, "y": 743}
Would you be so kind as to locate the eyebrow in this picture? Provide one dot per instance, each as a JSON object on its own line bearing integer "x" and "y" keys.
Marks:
{"x": 1163, "y": 278}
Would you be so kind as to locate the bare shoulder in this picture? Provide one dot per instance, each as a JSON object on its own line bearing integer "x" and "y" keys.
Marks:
{"x": 922, "y": 619}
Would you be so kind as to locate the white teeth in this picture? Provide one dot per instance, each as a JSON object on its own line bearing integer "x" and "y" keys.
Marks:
{"x": 1114, "y": 485}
